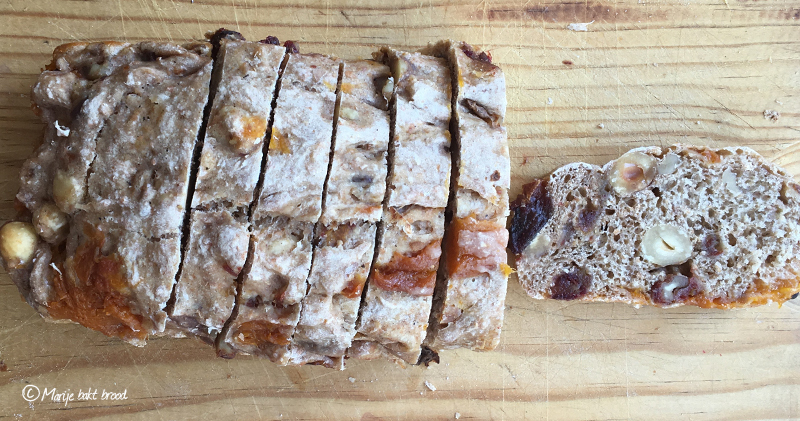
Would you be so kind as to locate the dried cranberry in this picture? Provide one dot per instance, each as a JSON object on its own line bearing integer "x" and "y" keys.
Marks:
{"x": 571, "y": 285}
{"x": 270, "y": 40}
{"x": 483, "y": 56}
{"x": 588, "y": 217}
{"x": 291, "y": 47}
{"x": 254, "y": 302}
{"x": 481, "y": 112}
{"x": 221, "y": 34}
{"x": 712, "y": 245}
{"x": 532, "y": 209}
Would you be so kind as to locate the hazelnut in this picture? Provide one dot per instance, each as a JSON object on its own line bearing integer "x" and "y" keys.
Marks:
{"x": 790, "y": 191}
{"x": 669, "y": 163}
{"x": 388, "y": 89}
{"x": 51, "y": 223}
{"x": 665, "y": 245}
{"x": 66, "y": 191}
{"x": 245, "y": 131}
{"x": 17, "y": 244}
{"x": 399, "y": 67}
{"x": 539, "y": 246}
{"x": 632, "y": 172}
{"x": 348, "y": 113}
{"x": 282, "y": 246}
{"x": 61, "y": 131}
{"x": 729, "y": 178}
{"x": 675, "y": 288}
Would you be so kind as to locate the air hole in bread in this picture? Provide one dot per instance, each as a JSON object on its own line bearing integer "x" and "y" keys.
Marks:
{"x": 610, "y": 211}
{"x": 732, "y": 239}
{"x": 582, "y": 191}
{"x": 771, "y": 259}
{"x": 422, "y": 227}
{"x": 630, "y": 201}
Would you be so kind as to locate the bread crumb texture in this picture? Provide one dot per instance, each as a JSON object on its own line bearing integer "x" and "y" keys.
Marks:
{"x": 739, "y": 213}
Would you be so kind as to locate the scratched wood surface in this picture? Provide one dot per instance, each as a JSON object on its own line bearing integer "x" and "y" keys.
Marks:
{"x": 645, "y": 72}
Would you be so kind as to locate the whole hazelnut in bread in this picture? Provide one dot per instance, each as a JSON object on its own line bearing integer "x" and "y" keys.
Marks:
{"x": 662, "y": 226}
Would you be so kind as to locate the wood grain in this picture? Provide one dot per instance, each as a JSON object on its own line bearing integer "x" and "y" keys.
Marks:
{"x": 645, "y": 72}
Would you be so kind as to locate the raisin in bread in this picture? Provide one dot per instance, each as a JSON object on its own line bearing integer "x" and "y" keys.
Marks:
{"x": 665, "y": 227}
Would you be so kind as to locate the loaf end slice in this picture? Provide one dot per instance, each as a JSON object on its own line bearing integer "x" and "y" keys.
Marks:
{"x": 684, "y": 225}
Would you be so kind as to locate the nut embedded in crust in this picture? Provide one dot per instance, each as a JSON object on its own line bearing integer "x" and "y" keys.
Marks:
{"x": 674, "y": 288}
{"x": 51, "y": 223}
{"x": 665, "y": 245}
{"x": 632, "y": 172}
{"x": 65, "y": 191}
{"x": 17, "y": 244}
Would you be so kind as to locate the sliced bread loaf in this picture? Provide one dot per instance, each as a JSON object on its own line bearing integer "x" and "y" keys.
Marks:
{"x": 666, "y": 227}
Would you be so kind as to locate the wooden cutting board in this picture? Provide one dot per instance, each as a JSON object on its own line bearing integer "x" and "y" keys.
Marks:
{"x": 644, "y": 73}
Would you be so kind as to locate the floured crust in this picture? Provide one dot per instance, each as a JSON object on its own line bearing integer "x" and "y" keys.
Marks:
{"x": 396, "y": 318}
{"x": 206, "y": 288}
{"x": 140, "y": 174}
{"x": 741, "y": 229}
{"x": 342, "y": 261}
{"x": 357, "y": 180}
{"x": 395, "y": 310}
{"x": 345, "y": 237}
{"x": 113, "y": 281}
{"x": 421, "y": 170}
{"x": 470, "y": 296}
{"x": 231, "y": 158}
{"x": 128, "y": 116}
{"x": 272, "y": 289}
{"x": 300, "y": 143}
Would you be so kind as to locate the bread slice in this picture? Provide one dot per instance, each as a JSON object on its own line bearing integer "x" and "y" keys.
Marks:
{"x": 470, "y": 295}
{"x": 245, "y": 78}
{"x": 286, "y": 211}
{"x": 108, "y": 204}
{"x": 230, "y": 163}
{"x": 272, "y": 289}
{"x": 396, "y": 306}
{"x": 342, "y": 259}
{"x": 300, "y": 144}
{"x": 206, "y": 288}
{"x": 345, "y": 234}
{"x": 682, "y": 225}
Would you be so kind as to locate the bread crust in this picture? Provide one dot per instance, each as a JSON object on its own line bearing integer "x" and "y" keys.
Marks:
{"x": 230, "y": 163}
{"x": 345, "y": 235}
{"x": 206, "y": 288}
{"x": 289, "y": 206}
{"x": 735, "y": 209}
{"x": 115, "y": 160}
{"x": 471, "y": 289}
{"x": 300, "y": 142}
